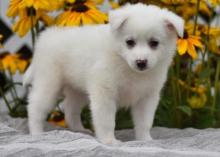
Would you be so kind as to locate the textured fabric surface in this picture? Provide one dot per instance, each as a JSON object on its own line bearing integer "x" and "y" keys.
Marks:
{"x": 15, "y": 142}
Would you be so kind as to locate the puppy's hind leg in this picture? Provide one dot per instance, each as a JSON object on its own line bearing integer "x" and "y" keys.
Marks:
{"x": 41, "y": 101}
{"x": 73, "y": 104}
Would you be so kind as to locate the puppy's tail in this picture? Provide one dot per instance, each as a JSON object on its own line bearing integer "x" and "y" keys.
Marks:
{"x": 27, "y": 78}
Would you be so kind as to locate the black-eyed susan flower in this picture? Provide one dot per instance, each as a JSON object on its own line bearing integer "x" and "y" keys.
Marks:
{"x": 28, "y": 18}
{"x": 198, "y": 101}
{"x": 199, "y": 98}
{"x": 30, "y": 12}
{"x": 8, "y": 62}
{"x": 81, "y": 13}
{"x": 57, "y": 118}
{"x": 188, "y": 44}
{"x": 13, "y": 62}
{"x": 213, "y": 34}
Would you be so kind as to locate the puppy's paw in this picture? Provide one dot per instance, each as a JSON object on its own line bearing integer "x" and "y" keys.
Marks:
{"x": 111, "y": 141}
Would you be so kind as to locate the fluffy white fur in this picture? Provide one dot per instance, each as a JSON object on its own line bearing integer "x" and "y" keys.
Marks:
{"x": 93, "y": 65}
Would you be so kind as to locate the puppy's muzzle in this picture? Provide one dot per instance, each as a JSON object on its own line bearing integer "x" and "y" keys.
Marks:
{"x": 141, "y": 64}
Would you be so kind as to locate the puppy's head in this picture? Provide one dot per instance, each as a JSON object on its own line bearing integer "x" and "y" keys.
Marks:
{"x": 146, "y": 35}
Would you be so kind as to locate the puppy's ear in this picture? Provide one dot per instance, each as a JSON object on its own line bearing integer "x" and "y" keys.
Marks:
{"x": 174, "y": 23}
{"x": 117, "y": 18}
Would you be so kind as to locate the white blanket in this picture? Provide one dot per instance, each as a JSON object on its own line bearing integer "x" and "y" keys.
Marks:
{"x": 15, "y": 142}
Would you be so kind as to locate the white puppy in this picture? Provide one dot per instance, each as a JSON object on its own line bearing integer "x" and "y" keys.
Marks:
{"x": 121, "y": 64}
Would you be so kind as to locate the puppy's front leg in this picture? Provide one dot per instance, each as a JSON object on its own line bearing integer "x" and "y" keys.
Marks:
{"x": 143, "y": 116}
{"x": 103, "y": 109}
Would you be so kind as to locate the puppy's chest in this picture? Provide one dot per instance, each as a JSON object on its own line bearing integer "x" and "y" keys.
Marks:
{"x": 131, "y": 92}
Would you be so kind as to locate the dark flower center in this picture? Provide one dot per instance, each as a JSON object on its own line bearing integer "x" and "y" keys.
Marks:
{"x": 80, "y": 8}
{"x": 31, "y": 11}
{"x": 185, "y": 36}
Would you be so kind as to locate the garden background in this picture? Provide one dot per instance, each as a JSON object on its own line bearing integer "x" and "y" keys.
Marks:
{"x": 191, "y": 96}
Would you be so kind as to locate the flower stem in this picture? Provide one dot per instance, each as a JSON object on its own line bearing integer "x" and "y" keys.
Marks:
{"x": 175, "y": 99}
{"x": 32, "y": 30}
{"x": 33, "y": 37}
{"x": 6, "y": 100}
{"x": 178, "y": 77}
{"x": 37, "y": 27}
{"x": 13, "y": 86}
{"x": 196, "y": 17}
{"x": 189, "y": 74}
{"x": 216, "y": 85}
{"x": 208, "y": 63}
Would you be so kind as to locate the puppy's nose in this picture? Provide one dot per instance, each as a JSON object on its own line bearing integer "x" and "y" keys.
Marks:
{"x": 141, "y": 64}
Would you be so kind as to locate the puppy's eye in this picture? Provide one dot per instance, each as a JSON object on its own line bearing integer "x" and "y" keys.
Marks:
{"x": 153, "y": 43}
{"x": 130, "y": 43}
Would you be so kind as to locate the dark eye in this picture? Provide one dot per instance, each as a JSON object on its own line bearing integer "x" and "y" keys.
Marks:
{"x": 153, "y": 43}
{"x": 130, "y": 43}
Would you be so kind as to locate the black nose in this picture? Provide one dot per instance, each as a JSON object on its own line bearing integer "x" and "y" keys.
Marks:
{"x": 141, "y": 64}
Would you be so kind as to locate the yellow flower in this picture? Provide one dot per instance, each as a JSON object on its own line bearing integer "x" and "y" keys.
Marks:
{"x": 188, "y": 44}
{"x": 13, "y": 62}
{"x": 25, "y": 23}
{"x": 214, "y": 38}
{"x": 57, "y": 118}
{"x": 197, "y": 102}
{"x": 28, "y": 18}
{"x": 81, "y": 13}
{"x": 213, "y": 46}
{"x": 213, "y": 33}
{"x": 9, "y": 63}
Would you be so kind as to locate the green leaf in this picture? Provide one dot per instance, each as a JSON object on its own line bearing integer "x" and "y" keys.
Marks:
{"x": 185, "y": 109}
{"x": 206, "y": 73}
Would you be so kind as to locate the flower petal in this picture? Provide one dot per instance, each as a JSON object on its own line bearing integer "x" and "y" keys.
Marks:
{"x": 192, "y": 51}
{"x": 196, "y": 42}
{"x": 182, "y": 45}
